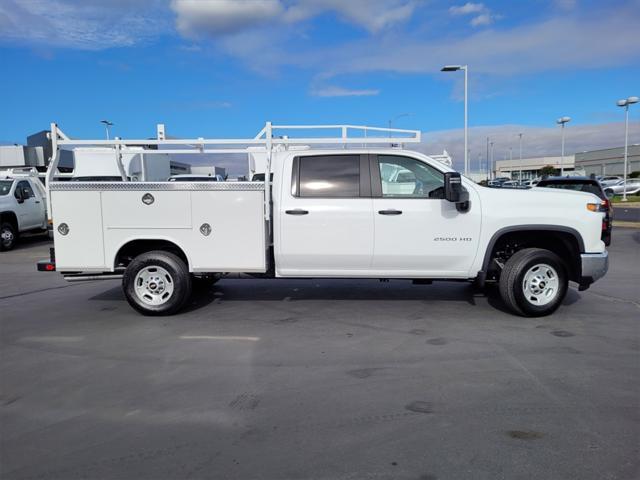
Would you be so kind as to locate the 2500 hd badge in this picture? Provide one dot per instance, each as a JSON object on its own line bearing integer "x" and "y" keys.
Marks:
{"x": 452, "y": 239}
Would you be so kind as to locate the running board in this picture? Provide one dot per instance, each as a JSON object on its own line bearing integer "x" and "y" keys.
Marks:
{"x": 87, "y": 277}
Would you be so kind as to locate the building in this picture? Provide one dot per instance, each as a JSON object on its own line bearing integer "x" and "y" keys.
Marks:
{"x": 609, "y": 161}
{"x": 529, "y": 168}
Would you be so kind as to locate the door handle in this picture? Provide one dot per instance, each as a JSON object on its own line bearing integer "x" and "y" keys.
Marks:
{"x": 390, "y": 211}
{"x": 297, "y": 211}
{"x": 37, "y": 201}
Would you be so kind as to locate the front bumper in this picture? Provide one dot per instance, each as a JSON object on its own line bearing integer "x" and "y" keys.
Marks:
{"x": 594, "y": 267}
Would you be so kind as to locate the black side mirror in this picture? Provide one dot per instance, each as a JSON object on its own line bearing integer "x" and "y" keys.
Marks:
{"x": 18, "y": 195}
{"x": 454, "y": 191}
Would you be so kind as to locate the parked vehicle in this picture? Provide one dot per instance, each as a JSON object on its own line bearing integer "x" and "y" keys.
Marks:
{"x": 188, "y": 177}
{"x": 610, "y": 180}
{"x": 632, "y": 187}
{"x": 588, "y": 185}
{"x": 373, "y": 212}
{"x": 22, "y": 206}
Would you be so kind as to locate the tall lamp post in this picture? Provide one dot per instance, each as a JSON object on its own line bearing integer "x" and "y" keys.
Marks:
{"x": 392, "y": 120}
{"x": 520, "y": 162}
{"x": 491, "y": 172}
{"x": 561, "y": 121}
{"x": 625, "y": 103}
{"x": 107, "y": 124}
{"x": 455, "y": 68}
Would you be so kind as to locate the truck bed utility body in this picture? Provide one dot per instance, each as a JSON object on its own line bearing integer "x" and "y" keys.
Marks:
{"x": 348, "y": 206}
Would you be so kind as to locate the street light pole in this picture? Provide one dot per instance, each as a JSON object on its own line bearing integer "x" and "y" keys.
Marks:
{"x": 561, "y": 121}
{"x": 488, "y": 159}
{"x": 491, "y": 173}
{"x": 455, "y": 68}
{"x": 520, "y": 162}
{"x": 625, "y": 103}
{"x": 107, "y": 124}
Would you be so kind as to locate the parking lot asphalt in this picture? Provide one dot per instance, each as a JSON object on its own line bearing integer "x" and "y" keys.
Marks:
{"x": 278, "y": 379}
{"x": 626, "y": 213}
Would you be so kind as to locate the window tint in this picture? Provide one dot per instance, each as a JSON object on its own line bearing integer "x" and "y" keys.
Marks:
{"x": 408, "y": 177}
{"x": 27, "y": 192}
{"x": 5, "y": 187}
{"x": 330, "y": 176}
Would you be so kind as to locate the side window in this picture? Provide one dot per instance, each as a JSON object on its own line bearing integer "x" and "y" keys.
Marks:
{"x": 27, "y": 191}
{"x": 405, "y": 177}
{"x": 329, "y": 176}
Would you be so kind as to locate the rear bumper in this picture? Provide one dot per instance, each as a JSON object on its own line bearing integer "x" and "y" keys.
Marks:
{"x": 594, "y": 267}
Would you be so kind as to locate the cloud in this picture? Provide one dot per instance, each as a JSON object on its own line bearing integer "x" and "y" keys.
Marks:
{"x": 222, "y": 17}
{"x": 536, "y": 141}
{"x": 196, "y": 17}
{"x": 467, "y": 8}
{"x": 334, "y": 91}
{"x": 87, "y": 25}
{"x": 481, "y": 20}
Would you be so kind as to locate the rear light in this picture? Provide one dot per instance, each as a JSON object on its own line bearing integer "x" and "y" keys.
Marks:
{"x": 597, "y": 207}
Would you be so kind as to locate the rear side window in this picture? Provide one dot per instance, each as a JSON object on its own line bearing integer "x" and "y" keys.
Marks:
{"x": 336, "y": 176}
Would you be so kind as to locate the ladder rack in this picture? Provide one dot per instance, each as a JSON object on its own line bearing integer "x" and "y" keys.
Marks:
{"x": 265, "y": 139}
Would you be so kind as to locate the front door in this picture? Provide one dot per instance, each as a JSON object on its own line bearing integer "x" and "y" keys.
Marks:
{"x": 30, "y": 210}
{"x": 417, "y": 232}
{"x": 325, "y": 217}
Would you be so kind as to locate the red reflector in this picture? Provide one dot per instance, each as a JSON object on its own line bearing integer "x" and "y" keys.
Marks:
{"x": 50, "y": 268}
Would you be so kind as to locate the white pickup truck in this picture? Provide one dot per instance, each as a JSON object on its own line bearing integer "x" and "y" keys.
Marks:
{"x": 366, "y": 212}
{"x": 22, "y": 206}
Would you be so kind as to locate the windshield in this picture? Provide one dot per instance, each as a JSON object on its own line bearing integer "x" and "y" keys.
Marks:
{"x": 575, "y": 186}
{"x": 5, "y": 187}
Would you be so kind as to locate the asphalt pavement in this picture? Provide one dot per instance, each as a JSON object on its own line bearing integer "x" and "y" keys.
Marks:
{"x": 626, "y": 213}
{"x": 276, "y": 379}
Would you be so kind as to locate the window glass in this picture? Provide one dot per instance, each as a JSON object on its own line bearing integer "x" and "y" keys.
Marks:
{"x": 5, "y": 187}
{"x": 406, "y": 177}
{"x": 27, "y": 192}
{"x": 330, "y": 176}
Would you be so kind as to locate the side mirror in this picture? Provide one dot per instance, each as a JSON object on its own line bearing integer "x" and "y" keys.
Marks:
{"x": 18, "y": 195}
{"x": 454, "y": 191}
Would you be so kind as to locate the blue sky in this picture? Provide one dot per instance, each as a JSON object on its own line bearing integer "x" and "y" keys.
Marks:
{"x": 223, "y": 67}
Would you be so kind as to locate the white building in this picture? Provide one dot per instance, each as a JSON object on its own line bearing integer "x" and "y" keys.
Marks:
{"x": 529, "y": 168}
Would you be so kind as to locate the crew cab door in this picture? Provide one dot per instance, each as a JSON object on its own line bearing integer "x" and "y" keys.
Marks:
{"x": 29, "y": 208}
{"x": 325, "y": 215}
{"x": 417, "y": 232}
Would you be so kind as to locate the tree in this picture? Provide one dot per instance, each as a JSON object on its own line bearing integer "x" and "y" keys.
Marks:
{"x": 548, "y": 170}
{"x": 635, "y": 174}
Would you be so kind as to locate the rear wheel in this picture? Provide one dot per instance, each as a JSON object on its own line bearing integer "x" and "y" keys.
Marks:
{"x": 8, "y": 236}
{"x": 533, "y": 282}
{"x": 157, "y": 283}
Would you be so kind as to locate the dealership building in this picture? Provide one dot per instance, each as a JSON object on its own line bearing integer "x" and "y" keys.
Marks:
{"x": 609, "y": 161}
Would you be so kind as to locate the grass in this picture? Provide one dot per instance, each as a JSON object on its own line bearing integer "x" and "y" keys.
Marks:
{"x": 630, "y": 198}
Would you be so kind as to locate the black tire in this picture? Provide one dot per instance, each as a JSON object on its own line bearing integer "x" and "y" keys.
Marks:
{"x": 150, "y": 276}
{"x": 8, "y": 236}
{"x": 519, "y": 296}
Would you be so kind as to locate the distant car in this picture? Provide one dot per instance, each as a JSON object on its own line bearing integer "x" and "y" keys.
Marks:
{"x": 511, "y": 184}
{"x": 529, "y": 183}
{"x": 188, "y": 177}
{"x": 588, "y": 185}
{"x": 633, "y": 187}
{"x": 609, "y": 180}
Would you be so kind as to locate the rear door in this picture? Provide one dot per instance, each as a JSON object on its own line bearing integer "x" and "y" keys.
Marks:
{"x": 30, "y": 210}
{"x": 325, "y": 213}
{"x": 417, "y": 232}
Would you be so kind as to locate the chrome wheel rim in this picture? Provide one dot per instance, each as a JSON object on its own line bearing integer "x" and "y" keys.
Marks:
{"x": 154, "y": 285}
{"x": 7, "y": 237}
{"x": 541, "y": 284}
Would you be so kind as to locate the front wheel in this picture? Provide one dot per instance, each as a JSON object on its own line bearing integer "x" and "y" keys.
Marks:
{"x": 8, "y": 236}
{"x": 157, "y": 283}
{"x": 533, "y": 282}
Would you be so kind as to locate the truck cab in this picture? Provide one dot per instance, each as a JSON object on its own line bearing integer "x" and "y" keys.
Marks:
{"x": 22, "y": 207}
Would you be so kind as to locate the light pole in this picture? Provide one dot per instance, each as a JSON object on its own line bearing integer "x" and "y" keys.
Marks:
{"x": 491, "y": 173}
{"x": 625, "y": 103}
{"x": 107, "y": 124}
{"x": 520, "y": 162}
{"x": 392, "y": 120}
{"x": 561, "y": 121}
{"x": 455, "y": 68}
{"x": 488, "y": 159}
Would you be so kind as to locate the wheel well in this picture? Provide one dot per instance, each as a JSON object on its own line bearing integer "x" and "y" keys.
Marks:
{"x": 134, "y": 248}
{"x": 563, "y": 243}
{"x": 9, "y": 217}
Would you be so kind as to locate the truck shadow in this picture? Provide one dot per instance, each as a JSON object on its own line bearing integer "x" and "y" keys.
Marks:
{"x": 280, "y": 290}
{"x": 31, "y": 240}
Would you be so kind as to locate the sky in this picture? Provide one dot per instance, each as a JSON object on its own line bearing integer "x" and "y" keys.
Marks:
{"x": 221, "y": 68}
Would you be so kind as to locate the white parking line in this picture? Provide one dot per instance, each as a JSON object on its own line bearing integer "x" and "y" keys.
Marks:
{"x": 218, "y": 337}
